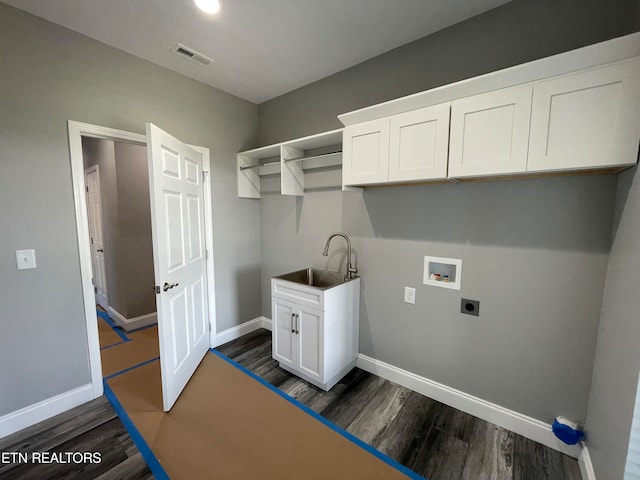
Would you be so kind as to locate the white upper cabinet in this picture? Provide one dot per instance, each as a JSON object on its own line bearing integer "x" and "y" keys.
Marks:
{"x": 365, "y": 153}
{"x": 409, "y": 146}
{"x": 490, "y": 133}
{"x": 419, "y": 142}
{"x": 577, "y": 110}
{"x": 587, "y": 120}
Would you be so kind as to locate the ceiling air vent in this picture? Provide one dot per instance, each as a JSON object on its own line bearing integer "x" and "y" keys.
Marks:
{"x": 190, "y": 54}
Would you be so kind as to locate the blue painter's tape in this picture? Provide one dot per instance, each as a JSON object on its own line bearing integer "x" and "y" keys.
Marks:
{"x": 111, "y": 346}
{"x": 131, "y": 368}
{"x": 376, "y": 453}
{"x": 104, "y": 316}
{"x": 145, "y": 450}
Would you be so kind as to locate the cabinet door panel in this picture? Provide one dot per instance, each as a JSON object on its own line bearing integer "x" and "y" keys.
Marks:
{"x": 365, "y": 153}
{"x": 419, "y": 142}
{"x": 282, "y": 334}
{"x": 586, "y": 120}
{"x": 490, "y": 133}
{"x": 311, "y": 342}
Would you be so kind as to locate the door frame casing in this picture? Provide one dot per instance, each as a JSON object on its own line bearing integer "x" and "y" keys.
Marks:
{"x": 77, "y": 130}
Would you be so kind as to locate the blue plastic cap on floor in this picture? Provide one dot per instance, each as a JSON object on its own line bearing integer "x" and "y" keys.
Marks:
{"x": 567, "y": 431}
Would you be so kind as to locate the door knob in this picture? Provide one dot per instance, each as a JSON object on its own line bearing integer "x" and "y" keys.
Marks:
{"x": 166, "y": 286}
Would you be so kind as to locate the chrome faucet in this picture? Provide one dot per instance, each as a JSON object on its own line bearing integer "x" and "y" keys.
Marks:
{"x": 351, "y": 269}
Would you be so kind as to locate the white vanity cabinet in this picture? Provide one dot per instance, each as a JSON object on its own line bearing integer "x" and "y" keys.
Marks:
{"x": 490, "y": 133}
{"x": 315, "y": 330}
{"x": 586, "y": 120}
{"x": 297, "y": 338}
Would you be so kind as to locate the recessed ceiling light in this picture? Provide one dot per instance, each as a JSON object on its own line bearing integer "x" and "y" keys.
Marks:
{"x": 208, "y": 6}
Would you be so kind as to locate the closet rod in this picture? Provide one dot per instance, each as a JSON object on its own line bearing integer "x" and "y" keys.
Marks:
{"x": 260, "y": 165}
{"x": 314, "y": 156}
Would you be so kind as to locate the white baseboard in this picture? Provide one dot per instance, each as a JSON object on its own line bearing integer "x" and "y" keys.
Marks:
{"x": 135, "y": 322}
{"x": 584, "y": 462}
{"x": 38, "y": 412}
{"x": 266, "y": 323}
{"x": 516, "y": 422}
{"x": 240, "y": 330}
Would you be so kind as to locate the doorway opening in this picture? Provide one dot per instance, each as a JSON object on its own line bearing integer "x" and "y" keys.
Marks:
{"x": 117, "y": 196}
{"x": 162, "y": 158}
{"x": 119, "y": 218}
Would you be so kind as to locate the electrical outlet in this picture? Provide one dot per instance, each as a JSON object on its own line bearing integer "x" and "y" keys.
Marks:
{"x": 25, "y": 259}
{"x": 410, "y": 295}
{"x": 470, "y": 307}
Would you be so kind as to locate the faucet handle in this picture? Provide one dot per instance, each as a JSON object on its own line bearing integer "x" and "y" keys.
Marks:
{"x": 351, "y": 270}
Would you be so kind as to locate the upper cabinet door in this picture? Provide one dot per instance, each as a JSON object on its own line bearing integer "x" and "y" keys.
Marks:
{"x": 419, "y": 144}
{"x": 365, "y": 153}
{"x": 586, "y": 120}
{"x": 490, "y": 133}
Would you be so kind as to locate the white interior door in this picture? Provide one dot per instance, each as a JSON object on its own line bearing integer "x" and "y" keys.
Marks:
{"x": 177, "y": 206}
{"x": 94, "y": 213}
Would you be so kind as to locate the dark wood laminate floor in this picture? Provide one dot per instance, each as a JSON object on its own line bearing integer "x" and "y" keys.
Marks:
{"x": 91, "y": 427}
{"x": 433, "y": 439}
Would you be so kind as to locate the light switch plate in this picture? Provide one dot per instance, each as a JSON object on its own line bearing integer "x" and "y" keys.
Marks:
{"x": 410, "y": 295}
{"x": 26, "y": 259}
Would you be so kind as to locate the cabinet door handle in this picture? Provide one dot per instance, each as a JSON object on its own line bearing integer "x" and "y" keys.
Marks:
{"x": 297, "y": 323}
{"x": 292, "y": 329}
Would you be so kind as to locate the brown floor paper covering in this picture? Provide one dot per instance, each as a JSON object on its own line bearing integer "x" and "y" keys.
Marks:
{"x": 227, "y": 425}
{"x": 107, "y": 335}
{"x": 142, "y": 347}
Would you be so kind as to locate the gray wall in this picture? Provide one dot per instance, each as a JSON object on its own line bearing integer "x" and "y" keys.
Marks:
{"x": 520, "y": 31}
{"x": 134, "y": 253}
{"x": 295, "y": 229}
{"x": 128, "y": 249}
{"x": 51, "y": 75}
{"x": 534, "y": 251}
{"x": 617, "y": 363}
{"x": 534, "y": 254}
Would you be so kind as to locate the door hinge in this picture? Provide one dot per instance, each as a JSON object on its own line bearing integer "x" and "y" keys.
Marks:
{"x": 209, "y": 327}
{"x": 204, "y": 175}
{"x": 87, "y": 188}
{"x": 157, "y": 289}
{"x": 206, "y": 253}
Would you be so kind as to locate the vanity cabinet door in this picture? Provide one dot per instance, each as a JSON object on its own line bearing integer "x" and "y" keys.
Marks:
{"x": 586, "y": 120}
{"x": 283, "y": 331}
{"x": 490, "y": 133}
{"x": 310, "y": 340}
{"x": 365, "y": 153}
{"x": 419, "y": 144}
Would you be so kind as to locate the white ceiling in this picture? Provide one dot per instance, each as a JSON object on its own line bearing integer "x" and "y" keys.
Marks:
{"x": 261, "y": 48}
